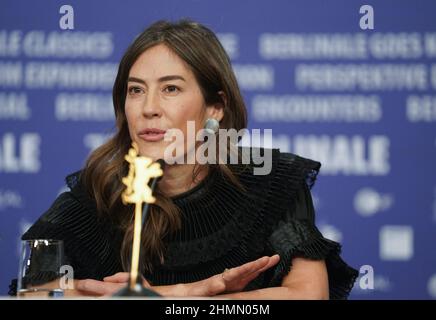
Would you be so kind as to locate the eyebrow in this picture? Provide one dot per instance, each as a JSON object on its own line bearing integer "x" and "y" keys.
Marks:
{"x": 161, "y": 79}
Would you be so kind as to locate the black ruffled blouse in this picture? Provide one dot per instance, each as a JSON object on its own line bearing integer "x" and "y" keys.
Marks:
{"x": 222, "y": 227}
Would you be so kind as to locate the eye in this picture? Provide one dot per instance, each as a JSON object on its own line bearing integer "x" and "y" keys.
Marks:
{"x": 135, "y": 90}
{"x": 171, "y": 89}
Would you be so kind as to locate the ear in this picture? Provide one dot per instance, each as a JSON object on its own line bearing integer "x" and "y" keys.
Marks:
{"x": 216, "y": 110}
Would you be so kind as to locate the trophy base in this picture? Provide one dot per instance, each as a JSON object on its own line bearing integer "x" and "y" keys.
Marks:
{"x": 139, "y": 291}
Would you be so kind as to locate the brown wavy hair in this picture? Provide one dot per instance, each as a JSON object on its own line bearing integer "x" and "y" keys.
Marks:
{"x": 199, "y": 47}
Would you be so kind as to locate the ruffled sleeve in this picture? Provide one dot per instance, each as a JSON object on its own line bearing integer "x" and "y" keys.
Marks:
{"x": 296, "y": 235}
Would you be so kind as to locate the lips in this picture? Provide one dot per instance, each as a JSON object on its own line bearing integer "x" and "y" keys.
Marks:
{"x": 152, "y": 134}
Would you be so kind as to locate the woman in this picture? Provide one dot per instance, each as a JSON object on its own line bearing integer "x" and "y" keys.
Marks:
{"x": 215, "y": 229}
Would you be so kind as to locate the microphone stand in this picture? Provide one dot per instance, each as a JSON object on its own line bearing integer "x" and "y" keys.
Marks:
{"x": 138, "y": 166}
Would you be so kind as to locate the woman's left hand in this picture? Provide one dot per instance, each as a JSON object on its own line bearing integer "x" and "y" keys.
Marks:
{"x": 231, "y": 280}
{"x": 237, "y": 278}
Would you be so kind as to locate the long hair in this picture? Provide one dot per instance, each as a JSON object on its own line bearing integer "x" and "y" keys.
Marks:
{"x": 201, "y": 50}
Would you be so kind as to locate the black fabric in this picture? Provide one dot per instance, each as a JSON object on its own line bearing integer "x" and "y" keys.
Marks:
{"x": 223, "y": 226}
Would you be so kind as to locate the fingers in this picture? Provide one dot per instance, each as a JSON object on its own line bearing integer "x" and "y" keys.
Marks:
{"x": 123, "y": 277}
{"x": 117, "y": 277}
{"x": 271, "y": 263}
{"x": 246, "y": 269}
{"x": 237, "y": 278}
{"x": 98, "y": 288}
{"x": 203, "y": 288}
{"x": 89, "y": 286}
{"x": 109, "y": 285}
{"x": 208, "y": 287}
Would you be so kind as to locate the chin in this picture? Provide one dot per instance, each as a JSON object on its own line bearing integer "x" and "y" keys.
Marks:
{"x": 154, "y": 153}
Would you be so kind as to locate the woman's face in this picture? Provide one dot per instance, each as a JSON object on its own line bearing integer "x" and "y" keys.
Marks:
{"x": 162, "y": 94}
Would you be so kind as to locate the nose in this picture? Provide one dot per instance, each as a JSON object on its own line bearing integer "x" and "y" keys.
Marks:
{"x": 151, "y": 107}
